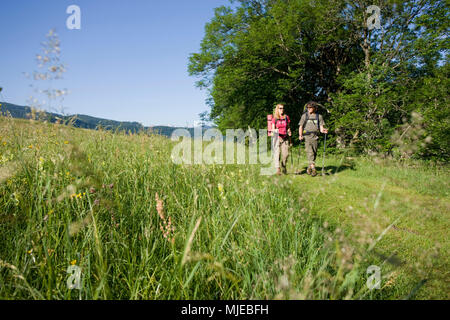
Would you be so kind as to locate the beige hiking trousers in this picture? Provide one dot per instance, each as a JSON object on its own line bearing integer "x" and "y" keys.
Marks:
{"x": 281, "y": 148}
{"x": 311, "y": 142}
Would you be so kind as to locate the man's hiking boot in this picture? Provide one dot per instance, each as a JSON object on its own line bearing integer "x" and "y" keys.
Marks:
{"x": 308, "y": 171}
{"x": 284, "y": 171}
{"x": 313, "y": 172}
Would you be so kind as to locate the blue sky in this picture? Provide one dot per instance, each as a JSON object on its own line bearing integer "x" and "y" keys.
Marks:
{"x": 128, "y": 62}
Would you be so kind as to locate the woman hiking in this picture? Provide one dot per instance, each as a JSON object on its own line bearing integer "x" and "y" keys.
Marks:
{"x": 281, "y": 130}
{"x": 311, "y": 124}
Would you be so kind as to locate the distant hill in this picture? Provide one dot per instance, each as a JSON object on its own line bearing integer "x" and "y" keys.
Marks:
{"x": 86, "y": 122}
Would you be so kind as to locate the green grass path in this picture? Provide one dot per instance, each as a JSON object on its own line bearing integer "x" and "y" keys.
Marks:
{"x": 365, "y": 197}
{"x": 73, "y": 197}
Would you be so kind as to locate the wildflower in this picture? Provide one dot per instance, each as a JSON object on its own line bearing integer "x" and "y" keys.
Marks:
{"x": 30, "y": 146}
{"x": 220, "y": 187}
{"x": 66, "y": 142}
{"x": 30, "y": 252}
{"x": 15, "y": 199}
{"x": 73, "y": 262}
{"x": 113, "y": 218}
{"x": 166, "y": 227}
{"x": 159, "y": 207}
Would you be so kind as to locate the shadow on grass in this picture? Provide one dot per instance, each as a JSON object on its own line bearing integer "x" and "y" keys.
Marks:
{"x": 328, "y": 170}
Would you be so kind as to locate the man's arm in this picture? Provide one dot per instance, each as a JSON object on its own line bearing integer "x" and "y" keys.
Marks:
{"x": 300, "y": 129}
{"x": 322, "y": 123}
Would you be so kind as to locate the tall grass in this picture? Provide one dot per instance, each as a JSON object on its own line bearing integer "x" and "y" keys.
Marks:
{"x": 141, "y": 227}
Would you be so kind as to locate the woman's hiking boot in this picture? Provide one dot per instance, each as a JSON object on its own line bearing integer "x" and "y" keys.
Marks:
{"x": 313, "y": 172}
{"x": 308, "y": 171}
{"x": 278, "y": 172}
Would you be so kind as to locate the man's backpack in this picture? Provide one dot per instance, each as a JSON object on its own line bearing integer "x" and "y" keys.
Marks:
{"x": 307, "y": 119}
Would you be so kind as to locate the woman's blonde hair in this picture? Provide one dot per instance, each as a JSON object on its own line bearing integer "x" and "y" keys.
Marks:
{"x": 276, "y": 113}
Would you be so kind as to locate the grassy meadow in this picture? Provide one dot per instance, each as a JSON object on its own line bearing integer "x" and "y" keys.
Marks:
{"x": 141, "y": 227}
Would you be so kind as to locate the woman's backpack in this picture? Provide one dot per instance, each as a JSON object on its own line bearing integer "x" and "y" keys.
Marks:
{"x": 283, "y": 130}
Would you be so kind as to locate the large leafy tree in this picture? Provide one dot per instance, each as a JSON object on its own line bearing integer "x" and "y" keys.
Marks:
{"x": 381, "y": 93}
{"x": 268, "y": 51}
{"x": 264, "y": 51}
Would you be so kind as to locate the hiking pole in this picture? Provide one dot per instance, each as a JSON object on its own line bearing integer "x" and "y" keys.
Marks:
{"x": 324, "y": 150}
{"x": 290, "y": 152}
{"x": 298, "y": 159}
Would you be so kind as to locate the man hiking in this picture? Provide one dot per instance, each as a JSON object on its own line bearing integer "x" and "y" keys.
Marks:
{"x": 311, "y": 124}
{"x": 280, "y": 126}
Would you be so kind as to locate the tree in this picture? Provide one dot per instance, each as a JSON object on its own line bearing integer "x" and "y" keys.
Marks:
{"x": 265, "y": 51}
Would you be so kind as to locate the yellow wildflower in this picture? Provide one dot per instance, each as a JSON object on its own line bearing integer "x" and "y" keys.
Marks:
{"x": 78, "y": 196}
{"x": 73, "y": 262}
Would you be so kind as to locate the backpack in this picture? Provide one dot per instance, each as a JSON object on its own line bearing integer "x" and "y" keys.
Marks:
{"x": 269, "y": 124}
{"x": 307, "y": 119}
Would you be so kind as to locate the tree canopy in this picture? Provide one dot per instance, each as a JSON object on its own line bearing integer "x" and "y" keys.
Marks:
{"x": 371, "y": 82}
